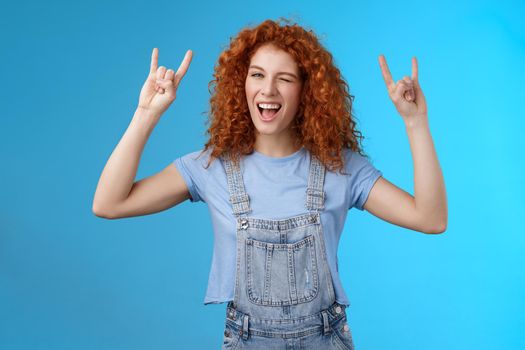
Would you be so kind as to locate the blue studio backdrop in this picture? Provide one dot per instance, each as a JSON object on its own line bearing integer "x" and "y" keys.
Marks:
{"x": 71, "y": 74}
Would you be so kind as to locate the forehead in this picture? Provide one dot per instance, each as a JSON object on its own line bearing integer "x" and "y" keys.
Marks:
{"x": 271, "y": 57}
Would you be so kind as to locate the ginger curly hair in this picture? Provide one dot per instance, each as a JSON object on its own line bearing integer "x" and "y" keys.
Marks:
{"x": 324, "y": 124}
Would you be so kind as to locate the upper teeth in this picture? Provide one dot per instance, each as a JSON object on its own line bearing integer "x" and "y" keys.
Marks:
{"x": 269, "y": 106}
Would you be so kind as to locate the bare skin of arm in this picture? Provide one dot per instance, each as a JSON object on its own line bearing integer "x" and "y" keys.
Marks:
{"x": 117, "y": 194}
{"x": 426, "y": 211}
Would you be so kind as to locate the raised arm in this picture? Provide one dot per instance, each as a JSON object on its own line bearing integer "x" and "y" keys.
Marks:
{"x": 426, "y": 211}
{"x": 117, "y": 195}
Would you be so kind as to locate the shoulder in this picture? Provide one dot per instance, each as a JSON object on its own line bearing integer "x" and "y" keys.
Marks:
{"x": 197, "y": 159}
{"x": 196, "y": 172}
{"x": 363, "y": 175}
{"x": 355, "y": 162}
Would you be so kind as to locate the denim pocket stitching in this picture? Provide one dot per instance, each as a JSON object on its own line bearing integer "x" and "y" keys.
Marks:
{"x": 308, "y": 243}
{"x": 233, "y": 337}
{"x": 342, "y": 338}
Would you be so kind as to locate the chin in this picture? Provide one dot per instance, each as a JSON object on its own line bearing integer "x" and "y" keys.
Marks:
{"x": 265, "y": 130}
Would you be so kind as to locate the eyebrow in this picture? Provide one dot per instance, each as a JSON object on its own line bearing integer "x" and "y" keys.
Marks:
{"x": 291, "y": 74}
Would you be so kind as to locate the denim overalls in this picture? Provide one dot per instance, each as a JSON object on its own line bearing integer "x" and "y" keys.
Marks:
{"x": 284, "y": 297}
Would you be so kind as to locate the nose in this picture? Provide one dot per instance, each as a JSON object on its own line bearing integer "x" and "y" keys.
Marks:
{"x": 268, "y": 88}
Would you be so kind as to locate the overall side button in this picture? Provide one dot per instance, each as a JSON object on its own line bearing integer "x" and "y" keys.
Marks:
{"x": 244, "y": 224}
{"x": 231, "y": 315}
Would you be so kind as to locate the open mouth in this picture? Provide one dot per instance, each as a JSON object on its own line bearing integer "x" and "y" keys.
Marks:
{"x": 268, "y": 114}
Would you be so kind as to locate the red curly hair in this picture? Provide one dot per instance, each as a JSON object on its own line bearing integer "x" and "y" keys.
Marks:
{"x": 324, "y": 124}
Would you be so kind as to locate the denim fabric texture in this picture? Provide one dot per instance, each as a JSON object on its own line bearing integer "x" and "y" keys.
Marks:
{"x": 284, "y": 296}
{"x": 276, "y": 186}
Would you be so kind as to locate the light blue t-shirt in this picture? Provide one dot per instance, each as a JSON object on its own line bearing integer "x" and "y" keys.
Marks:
{"x": 276, "y": 187}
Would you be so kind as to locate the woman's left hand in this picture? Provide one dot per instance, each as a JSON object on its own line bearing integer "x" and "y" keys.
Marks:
{"x": 406, "y": 94}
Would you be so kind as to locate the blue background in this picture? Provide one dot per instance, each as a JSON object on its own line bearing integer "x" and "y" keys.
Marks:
{"x": 71, "y": 74}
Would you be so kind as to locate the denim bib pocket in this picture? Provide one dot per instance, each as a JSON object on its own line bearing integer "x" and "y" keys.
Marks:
{"x": 281, "y": 274}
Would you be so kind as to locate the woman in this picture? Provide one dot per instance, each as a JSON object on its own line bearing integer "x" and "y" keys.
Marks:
{"x": 279, "y": 172}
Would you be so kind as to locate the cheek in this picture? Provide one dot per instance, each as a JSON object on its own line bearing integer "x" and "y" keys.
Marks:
{"x": 294, "y": 101}
{"x": 293, "y": 95}
{"x": 250, "y": 94}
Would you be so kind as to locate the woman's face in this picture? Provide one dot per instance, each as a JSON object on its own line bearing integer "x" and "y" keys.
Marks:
{"x": 273, "y": 78}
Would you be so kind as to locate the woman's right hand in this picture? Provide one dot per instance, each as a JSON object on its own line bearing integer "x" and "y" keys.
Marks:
{"x": 160, "y": 88}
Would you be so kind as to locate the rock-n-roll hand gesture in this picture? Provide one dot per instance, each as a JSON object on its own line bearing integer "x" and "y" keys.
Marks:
{"x": 160, "y": 88}
{"x": 406, "y": 94}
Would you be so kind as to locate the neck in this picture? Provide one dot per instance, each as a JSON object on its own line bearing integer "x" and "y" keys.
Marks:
{"x": 276, "y": 145}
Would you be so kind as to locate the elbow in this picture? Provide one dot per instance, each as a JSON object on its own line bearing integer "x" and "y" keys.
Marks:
{"x": 100, "y": 211}
{"x": 434, "y": 223}
{"x": 437, "y": 229}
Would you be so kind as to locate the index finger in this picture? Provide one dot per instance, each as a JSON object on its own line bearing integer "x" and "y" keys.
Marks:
{"x": 154, "y": 61}
{"x": 414, "y": 68}
{"x": 183, "y": 66}
{"x": 385, "y": 71}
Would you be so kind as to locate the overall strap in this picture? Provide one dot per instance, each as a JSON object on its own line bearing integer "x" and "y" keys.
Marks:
{"x": 315, "y": 194}
{"x": 238, "y": 196}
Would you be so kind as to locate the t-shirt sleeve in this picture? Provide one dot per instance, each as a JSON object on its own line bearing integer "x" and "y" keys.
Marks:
{"x": 191, "y": 168}
{"x": 363, "y": 176}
